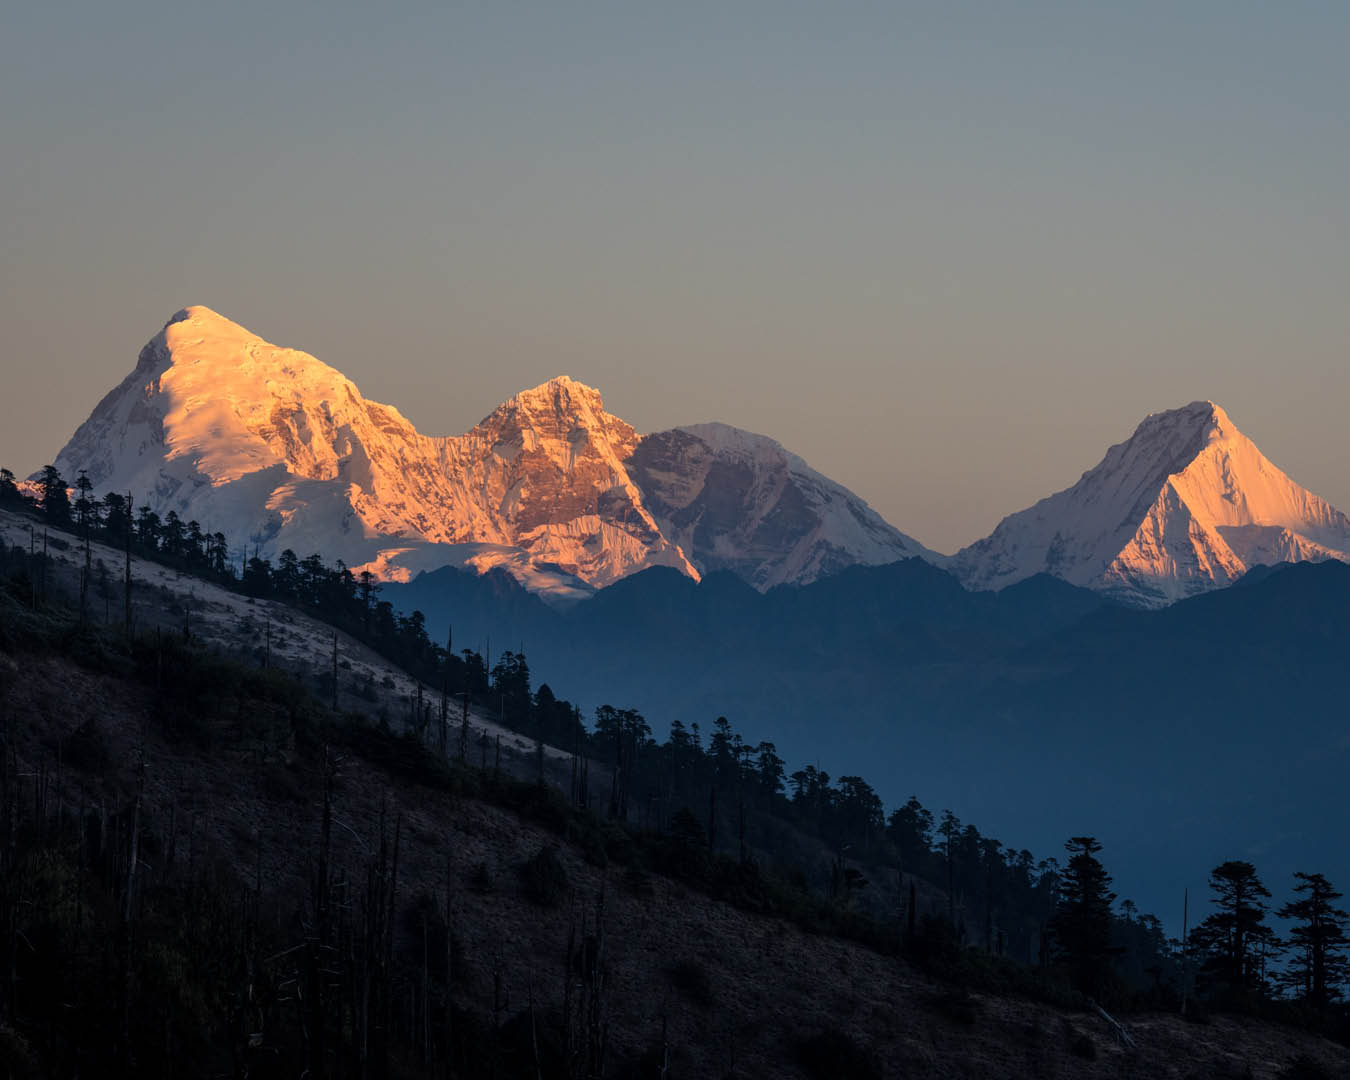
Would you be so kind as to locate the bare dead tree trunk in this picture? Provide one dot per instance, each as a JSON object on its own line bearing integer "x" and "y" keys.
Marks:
{"x": 740, "y": 828}
{"x": 426, "y": 992}
{"x": 712, "y": 818}
{"x": 314, "y": 959}
{"x": 464, "y": 727}
{"x": 449, "y": 968}
{"x": 127, "y": 911}
{"x": 445, "y": 690}
{"x": 128, "y": 567}
{"x": 534, "y": 1034}
{"x": 85, "y": 575}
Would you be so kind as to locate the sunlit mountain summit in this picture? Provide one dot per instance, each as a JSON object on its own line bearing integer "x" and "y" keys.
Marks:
{"x": 278, "y": 450}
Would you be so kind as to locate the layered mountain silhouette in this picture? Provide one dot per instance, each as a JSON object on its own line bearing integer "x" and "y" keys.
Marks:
{"x": 1214, "y": 724}
{"x": 277, "y": 450}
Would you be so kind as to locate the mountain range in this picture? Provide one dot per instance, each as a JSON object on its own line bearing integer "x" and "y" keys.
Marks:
{"x": 277, "y": 450}
{"x": 1067, "y": 654}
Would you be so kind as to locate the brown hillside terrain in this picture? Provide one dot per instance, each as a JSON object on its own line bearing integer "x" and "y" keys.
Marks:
{"x": 711, "y": 989}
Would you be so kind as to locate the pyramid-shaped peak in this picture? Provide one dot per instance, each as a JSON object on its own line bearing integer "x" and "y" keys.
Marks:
{"x": 1187, "y": 503}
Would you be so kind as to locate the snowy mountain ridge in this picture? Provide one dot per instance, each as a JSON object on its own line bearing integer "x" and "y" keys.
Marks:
{"x": 1186, "y": 504}
{"x": 741, "y": 502}
{"x": 278, "y": 450}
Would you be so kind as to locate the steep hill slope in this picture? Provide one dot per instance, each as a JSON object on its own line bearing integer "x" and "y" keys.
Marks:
{"x": 172, "y": 602}
{"x": 1126, "y": 722}
{"x": 428, "y": 875}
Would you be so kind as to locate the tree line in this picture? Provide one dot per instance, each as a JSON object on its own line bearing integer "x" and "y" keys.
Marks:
{"x": 1233, "y": 958}
{"x": 346, "y": 600}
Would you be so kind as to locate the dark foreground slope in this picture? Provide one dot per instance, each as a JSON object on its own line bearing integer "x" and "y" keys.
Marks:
{"x": 174, "y": 906}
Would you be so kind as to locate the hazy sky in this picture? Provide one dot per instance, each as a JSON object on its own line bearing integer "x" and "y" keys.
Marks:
{"x": 947, "y": 252}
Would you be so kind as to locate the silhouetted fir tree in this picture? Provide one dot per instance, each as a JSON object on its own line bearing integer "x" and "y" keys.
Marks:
{"x": 769, "y": 772}
{"x": 910, "y": 829}
{"x": 55, "y": 499}
{"x": 86, "y": 507}
{"x": 949, "y": 829}
{"x": 991, "y": 862}
{"x": 114, "y": 515}
{"x": 147, "y": 528}
{"x": 1081, "y": 924}
{"x": 1318, "y": 967}
{"x": 511, "y": 684}
{"x": 10, "y": 496}
{"x": 1230, "y": 938}
{"x": 861, "y": 817}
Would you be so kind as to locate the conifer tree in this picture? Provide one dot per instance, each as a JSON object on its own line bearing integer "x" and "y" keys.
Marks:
{"x": 9, "y": 489}
{"x": 86, "y": 506}
{"x": 1234, "y": 936}
{"x": 55, "y": 499}
{"x": 1081, "y": 925}
{"x": 910, "y": 828}
{"x": 1319, "y": 965}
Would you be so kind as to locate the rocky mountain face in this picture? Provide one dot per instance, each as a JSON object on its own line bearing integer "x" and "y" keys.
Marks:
{"x": 1186, "y": 504}
{"x": 278, "y": 450}
{"x": 740, "y": 502}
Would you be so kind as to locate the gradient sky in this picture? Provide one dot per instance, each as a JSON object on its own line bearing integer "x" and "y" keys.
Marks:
{"x": 947, "y": 252}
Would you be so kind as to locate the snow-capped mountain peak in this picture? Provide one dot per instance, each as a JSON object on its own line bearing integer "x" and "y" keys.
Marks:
{"x": 1186, "y": 504}
{"x": 278, "y": 450}
{"x": 738, "y": 501}
{"x": 218, "y": 401}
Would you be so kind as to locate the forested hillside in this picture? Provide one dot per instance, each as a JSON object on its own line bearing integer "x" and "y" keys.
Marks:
{"x": 222, "y": 755}
{"x": 207, "y": 872}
